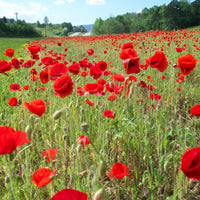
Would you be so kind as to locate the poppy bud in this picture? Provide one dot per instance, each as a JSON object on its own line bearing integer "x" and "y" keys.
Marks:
{"x": 102, "y": 169}
{"x": 28, "y": 131}
{"x": 7, "y": 179}
{"x": 19, "y": 101}
{"x": 67, "y": 115}
{"x": 2, "y": 116}
{"x": 82, "y": 111}
{"x": 64, "y": 137}
{"x": 99, "y": 194}
{"x": 57, "y": 114}
{"x": 70, "y": 105}
{"x": 84, "y": 126}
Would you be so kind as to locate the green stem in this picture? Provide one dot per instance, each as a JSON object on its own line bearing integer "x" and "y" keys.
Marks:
{"x": 8, "y": 166}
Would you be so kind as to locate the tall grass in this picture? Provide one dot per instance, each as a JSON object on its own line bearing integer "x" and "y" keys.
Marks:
{"x": 147, "y": 136}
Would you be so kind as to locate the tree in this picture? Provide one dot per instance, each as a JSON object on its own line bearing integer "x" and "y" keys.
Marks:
{"x": 4, "y": 19}
{"x": 97, "y": 27}
{"x": 46, "y": 21}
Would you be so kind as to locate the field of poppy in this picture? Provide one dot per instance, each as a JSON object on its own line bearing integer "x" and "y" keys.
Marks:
{"x": 102, "y": 117}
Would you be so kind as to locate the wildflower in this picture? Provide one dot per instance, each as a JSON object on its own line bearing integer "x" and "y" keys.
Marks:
{"x": 83, "y": 140}
{"x": 50, "y": 154}
{"x": 37, "y": 107}
{"x": 190, "y": 163}
{"x": 11, "y": 139}
{"x": 187, "y": 64}
{"x": 42, "y": 176}
{"x": 119, "y": 171}
{"x": 69, "y": 194}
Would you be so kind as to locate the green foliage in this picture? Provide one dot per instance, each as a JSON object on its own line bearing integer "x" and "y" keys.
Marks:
{"x": 17, "y": 29}
{"x": 176, "y": 15}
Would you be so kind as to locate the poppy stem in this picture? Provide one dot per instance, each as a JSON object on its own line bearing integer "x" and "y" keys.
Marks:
{"x": 97, "y": 152}
{"x": 8, "y": 165}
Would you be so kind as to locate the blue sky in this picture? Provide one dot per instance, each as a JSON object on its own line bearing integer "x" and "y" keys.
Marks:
{"x": 75, "y": 11}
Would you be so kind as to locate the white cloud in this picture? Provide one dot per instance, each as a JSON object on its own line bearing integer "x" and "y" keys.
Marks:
{"x": 139, "y": 11}
{"x": 30, "y": 11}
{"x": 59, "y": 2}
{"x": 95, "y": 2}
{"x": 70, "y": 1}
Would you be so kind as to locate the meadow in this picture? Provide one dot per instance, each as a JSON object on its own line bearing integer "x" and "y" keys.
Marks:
{"x": 109, "y": 117}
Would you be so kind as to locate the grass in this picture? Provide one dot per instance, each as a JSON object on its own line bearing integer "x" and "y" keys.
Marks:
{"x": 14, "y": 43}
{"x": 148, "y": 137}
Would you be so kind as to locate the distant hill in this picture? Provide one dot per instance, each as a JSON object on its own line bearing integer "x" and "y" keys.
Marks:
{"x": 88, "y": 27}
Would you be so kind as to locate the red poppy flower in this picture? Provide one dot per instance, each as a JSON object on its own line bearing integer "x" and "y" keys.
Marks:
{"x": 190, "y": 163}
{"x": 74, "y": 68}
{"x": 83, "y": 141}
{"x": 9, "y": 52}
{"x": 28, "y": 64}
{"x": 37, "y": 107}
{"x": 112, "y": 96}
{"x": 13, "y": 101}
{"x": 15, "y": 63}
{"x": 93, "y": 88}
{"x": 118, "y": 77}
{"x": 128, "y": 53}
{"x": 142, "y": 84}
{"x": 195, "y": 110}
{"x": 106, "y": 73}
{"x": 90, "y": 103}
{"x": 33, "y": 71}
{"x": 26, "y": 87}
{"x": 50, "y": 154}
{"x": 187, "y": 64}
{"x": 108, "y": 113}
{"x": 59, "y": 44}
{"x": 84, "y": 74}
{"x": 42, "y": 176}
{"x": 15, "y": 87}
{"x": 158, "y": 61}
{"x": 101, "y": 81}
{"x": 95, "y": 72}
{"x": 34, "y": 49}
{"x": 127, "y": 45}
{"x": 178, "y": 49}
{"x": 132, "y": 78}
{"x": 132, "y": 65}
{"x": 63, "y": 85}
{"x": 11, "y": 139}
{"x": 5, "y": 66}
{"x": 90, "y": 52}
{"x": 102, "y": 65}
{"x": 119, "y": 170}
{"x": 35, "y": 56}
{"x": 69, "y": 194}
{"x": 58, "y": 70}
{"x": 114, "y": 87}
{"x": 44, "y": 76}
{"x": 79, "y": 90}
{"x": 48, "y": 60}
{"x": 34, "y": 78}
{"x": 155, "y": 96}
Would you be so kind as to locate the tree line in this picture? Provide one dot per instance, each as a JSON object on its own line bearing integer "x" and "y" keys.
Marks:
{"x": 175, "y": 15}
{"x": 19, "y": 28}
{"x": 64, "y": 28}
